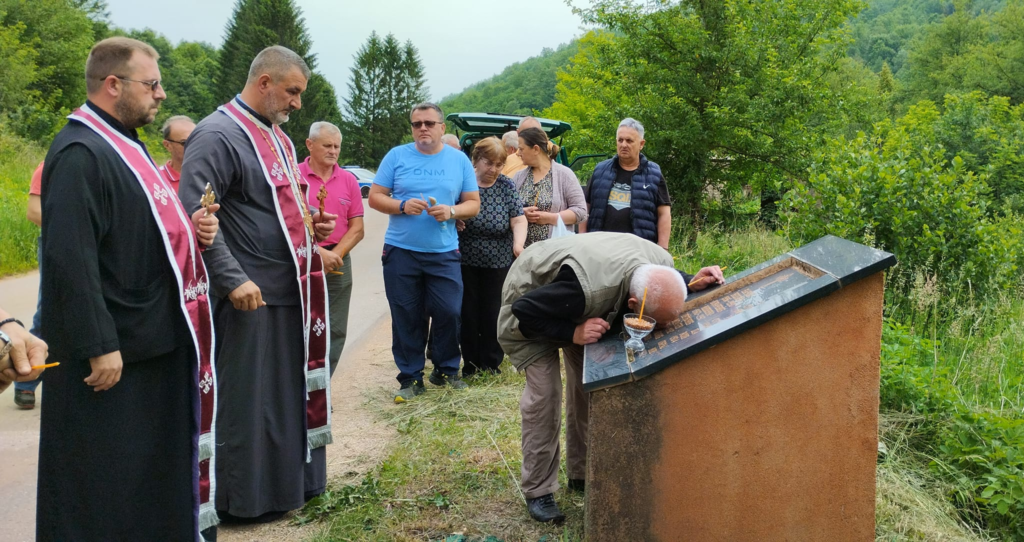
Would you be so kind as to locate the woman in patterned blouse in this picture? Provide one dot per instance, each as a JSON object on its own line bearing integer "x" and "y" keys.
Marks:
{"x": 547, "y": 189}
{"x": 488, "y": 243}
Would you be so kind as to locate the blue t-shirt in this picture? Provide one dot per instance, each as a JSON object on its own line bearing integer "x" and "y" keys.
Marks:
{"x": 409, "y": 174}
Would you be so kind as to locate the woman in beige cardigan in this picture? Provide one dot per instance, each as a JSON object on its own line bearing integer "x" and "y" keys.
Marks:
{"x": 548, "y": 189}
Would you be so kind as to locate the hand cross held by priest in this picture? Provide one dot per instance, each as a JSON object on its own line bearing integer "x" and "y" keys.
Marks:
{"x": 126, "y": 444}
{"x": 269, "y": 295}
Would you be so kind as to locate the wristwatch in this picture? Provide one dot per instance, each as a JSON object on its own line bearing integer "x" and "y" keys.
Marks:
{"x": 6, "y": 348}
{"x": 452, "y": 209}
{"x": 401, "y": 207}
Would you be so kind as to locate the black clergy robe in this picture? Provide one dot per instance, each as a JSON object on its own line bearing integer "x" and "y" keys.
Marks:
{"x": 118, "y": 464}
{"x": 261, "y": 416}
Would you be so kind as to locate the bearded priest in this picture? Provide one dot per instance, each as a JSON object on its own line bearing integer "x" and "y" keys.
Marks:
{"x": 269, "y": 296}
{"x": 126, "y": 446}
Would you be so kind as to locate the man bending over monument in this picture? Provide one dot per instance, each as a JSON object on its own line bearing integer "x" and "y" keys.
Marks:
{"x": 566, "y": 293}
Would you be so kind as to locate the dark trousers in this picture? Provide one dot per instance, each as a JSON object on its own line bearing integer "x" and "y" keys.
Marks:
{"x": 481, "y": 300}
{"x": 339, "y": 295}
{"x": 418, "y": 285}
{"x": 32, "y": 384}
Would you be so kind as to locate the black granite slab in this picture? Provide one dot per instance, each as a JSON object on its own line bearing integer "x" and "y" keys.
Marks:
{"x": 747, "y": 300}
{"x": 845, "y": 260}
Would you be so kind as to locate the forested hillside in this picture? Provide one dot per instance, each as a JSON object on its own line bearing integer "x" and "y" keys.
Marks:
{"x": 885, "y": 30}
{"x": 519, "y": 89}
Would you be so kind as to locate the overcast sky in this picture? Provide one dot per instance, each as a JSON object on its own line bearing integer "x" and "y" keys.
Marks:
{"x": 460, "y": 41}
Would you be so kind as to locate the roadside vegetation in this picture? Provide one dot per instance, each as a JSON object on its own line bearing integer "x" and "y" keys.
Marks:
{"x": 452, "y": 474}
{"x": 18, "y": 159}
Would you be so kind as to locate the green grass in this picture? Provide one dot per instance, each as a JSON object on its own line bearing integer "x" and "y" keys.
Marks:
{"x": 911, "y": 503}
{"x": 977, "y": 343}
{"x": 453, "y": 470}
{"x": 18, "y": 159}
{"x": 736, "y": 250}
{"x": 951, "y": 422}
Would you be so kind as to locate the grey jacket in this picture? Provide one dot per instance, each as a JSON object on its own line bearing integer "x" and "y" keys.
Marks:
{"x": 566, "y": 191}
{"x": 603, "y": 262}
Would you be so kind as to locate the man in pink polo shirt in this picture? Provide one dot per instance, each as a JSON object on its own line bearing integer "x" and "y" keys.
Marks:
{"x": 175, "y": 131}
{"x": 343, "y": 199}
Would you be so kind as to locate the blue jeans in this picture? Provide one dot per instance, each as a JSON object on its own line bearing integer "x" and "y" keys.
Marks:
{"x": 31, "y": 385}
{"x": 421, "y": 285}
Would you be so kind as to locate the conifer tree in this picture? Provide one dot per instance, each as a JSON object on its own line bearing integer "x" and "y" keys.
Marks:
{"x": 386, "y": 82}
{"x": 256, "y": 25}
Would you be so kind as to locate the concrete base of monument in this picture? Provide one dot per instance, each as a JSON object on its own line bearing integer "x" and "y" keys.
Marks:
{"x": 769, "y": 435}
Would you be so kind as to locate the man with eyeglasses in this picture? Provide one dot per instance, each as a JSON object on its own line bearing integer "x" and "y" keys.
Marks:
{"x": 175, "y": 131}
{"x": 125, "y": 443}
{"x": 425, "y": 186}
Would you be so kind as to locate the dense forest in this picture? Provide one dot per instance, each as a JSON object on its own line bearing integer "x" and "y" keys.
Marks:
{"x": 520, "y": 89}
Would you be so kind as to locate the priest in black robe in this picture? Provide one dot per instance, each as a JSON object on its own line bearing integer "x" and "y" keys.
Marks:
{"x": 265, "y": 465}
{"x": 119, "y": 430}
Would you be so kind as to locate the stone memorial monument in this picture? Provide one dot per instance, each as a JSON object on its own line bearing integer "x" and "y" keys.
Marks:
{"x": 754, "y": 416}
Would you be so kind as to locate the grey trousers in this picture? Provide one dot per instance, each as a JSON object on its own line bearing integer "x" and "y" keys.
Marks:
{"x": 339, "y": 294}
{"x": 541, "y": 410}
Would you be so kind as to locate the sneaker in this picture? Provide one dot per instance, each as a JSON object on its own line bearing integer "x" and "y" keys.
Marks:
{"x": 544, "y": 509}
{"x": 25, "y": 399}
{"x": 438, "y": 378}
{"x": 409, "y": 390}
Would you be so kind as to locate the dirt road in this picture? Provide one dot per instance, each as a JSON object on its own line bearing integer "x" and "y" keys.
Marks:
{"x": 363, "y": 365}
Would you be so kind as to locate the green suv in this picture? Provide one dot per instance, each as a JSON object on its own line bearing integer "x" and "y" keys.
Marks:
{"x": 472, "y": 127}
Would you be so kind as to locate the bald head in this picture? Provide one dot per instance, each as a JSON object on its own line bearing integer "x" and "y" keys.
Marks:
{"x": 666, "y": 292}
{"x": 529, "y": 122}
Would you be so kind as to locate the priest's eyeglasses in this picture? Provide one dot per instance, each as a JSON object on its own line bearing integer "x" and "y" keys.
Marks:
{"x": 153, "y": 85}
{"x": 429, "y": 123}
{"x": 181, "y": 142}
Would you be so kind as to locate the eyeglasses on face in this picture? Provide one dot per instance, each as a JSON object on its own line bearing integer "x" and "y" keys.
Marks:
{"x": 153, "y": 85}
{"x": 488, "y": 164}
{"x": 181, "y": 142}
{"x": 428, "y": 123}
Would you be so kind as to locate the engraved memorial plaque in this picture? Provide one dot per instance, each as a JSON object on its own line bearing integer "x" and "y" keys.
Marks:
{"x": 745, "y": 301}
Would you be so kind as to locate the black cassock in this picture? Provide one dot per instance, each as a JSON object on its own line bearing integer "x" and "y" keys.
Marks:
{"x": 117, "y": 464}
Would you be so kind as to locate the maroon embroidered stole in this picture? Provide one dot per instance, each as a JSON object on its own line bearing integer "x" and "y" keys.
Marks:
{"x": 289, "y": 188}
{"x": 183, "y": 251}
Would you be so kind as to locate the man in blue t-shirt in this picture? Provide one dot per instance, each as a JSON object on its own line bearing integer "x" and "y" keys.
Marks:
{"x": 424, "y": 186}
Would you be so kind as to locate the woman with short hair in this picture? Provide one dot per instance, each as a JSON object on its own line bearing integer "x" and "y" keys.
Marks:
{"x": 488, "y": 243}
{"x": 547, "y": 189}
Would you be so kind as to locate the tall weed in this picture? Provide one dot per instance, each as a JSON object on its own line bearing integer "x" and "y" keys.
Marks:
{"x": 18, "y": 159}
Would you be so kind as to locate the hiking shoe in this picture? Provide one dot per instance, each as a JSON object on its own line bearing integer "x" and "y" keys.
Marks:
{"x": 544, "y": 509}
{"x": 576, "y": 484}
{"x": 438, "y": 378}
{"x": 25, "y": 399}
{"x": 409, "y": 390}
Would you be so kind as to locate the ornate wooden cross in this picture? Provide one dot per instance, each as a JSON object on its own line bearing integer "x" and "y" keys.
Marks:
{"x": 208, "y": 199}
